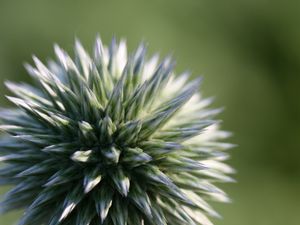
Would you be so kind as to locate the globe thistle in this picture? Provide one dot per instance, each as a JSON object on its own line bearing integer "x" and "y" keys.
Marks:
{"x": 111, "y": 139}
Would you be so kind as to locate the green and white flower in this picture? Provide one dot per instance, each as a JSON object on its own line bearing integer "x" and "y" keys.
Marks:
{"x": 111, "y": 139}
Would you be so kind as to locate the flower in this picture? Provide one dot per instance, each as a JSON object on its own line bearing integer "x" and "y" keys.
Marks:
{"x": 111, "y": 139}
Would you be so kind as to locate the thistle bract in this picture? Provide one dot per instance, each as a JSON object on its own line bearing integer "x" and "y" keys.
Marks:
{"x": 111, "y": 139}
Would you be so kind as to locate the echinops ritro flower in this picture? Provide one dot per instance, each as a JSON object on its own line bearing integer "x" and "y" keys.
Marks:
{"x": 114, "y": 139}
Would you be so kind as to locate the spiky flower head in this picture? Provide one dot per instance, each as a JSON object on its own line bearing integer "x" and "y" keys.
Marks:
{"x": 111, "y": 139}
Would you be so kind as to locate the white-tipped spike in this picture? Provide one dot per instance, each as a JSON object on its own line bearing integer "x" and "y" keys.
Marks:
{"x": 91, "y": 184}
{"x": 84, "y": 58}
{"x": 43, "y": 71}
{"x": 31, "y": 70}
{"x": 121, "y": 57}
{"x": 150, "y": 67}
{"x": 18, "y": 102}
{"x": 105, "y": 211}
{"x": 100, "y": 52}
{"x": 98, "y": 48}
{"x": 4, "y": 158}
{"x": 220, "y": 197}
{"x": 81, "y": 156}
{"x": 213, "y": 164}
{"x": 61, "y": 56}
{"x": 9, "y": 127}
{"x": 174, "y": 85}
{"x": 67, "y": 211}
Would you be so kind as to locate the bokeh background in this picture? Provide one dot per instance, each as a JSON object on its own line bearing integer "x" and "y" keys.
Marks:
{"x": 248, "y": 52}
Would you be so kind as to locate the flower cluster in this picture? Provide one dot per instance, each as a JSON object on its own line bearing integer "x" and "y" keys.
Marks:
{"x": 111, "y": 139}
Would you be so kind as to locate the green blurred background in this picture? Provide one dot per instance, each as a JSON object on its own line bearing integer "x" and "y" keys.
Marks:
{"x": 248, "y": 52}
